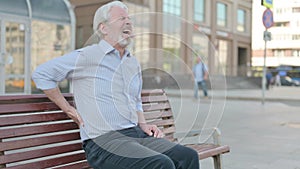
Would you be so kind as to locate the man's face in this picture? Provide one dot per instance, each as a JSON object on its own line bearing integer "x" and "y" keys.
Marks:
{"x": 119, "y": 27}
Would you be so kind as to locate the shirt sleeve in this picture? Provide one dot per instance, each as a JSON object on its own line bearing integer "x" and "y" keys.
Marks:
{"x": 139, "y": 106}
{"x": 48, "y": 74}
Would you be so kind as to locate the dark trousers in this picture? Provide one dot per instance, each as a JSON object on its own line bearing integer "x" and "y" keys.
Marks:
{"x": 133, "y": 149}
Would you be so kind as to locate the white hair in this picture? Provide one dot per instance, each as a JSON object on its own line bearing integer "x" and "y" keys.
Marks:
{"x": 103, "y": 13}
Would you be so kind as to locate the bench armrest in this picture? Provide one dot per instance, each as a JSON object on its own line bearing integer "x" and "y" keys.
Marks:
{"x": 214, "y": 133}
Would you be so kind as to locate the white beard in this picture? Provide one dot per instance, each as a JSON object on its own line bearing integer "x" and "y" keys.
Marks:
{"x": 123, "y": 42}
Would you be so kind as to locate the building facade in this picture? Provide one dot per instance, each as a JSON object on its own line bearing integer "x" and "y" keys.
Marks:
{"x": 171, "y": 33}
{"x": 32, "y": 32}
{"x": 284, "y": 48}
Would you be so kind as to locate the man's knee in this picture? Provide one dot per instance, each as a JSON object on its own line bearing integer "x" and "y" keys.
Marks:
{"x": 192, "y": 154}
{"x": 162, "y": 162}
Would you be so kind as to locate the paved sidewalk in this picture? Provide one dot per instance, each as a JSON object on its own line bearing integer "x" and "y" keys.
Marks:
{"x": 260, "y": 136}
{"x": 274, "y": 94}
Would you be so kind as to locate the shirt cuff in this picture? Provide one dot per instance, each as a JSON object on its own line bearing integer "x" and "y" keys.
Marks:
{"x": 45, "y": 84}
{"x": 139, "y": 107}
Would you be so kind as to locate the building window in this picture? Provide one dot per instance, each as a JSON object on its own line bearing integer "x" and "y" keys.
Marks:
{"x": 221, "y": 61}
{"x": 172, "y": 7}
{"x": 296, "y": 10}
{"x": 279, "y": 53}
{"x": 221, "y": 14}
{"x": 199, "y": 10}
{"x": 296, "y": 37}
{"x": 282, "y": 24}
{"x": 139, "y": 13}
{"x": 241, "y": 20}
{"x": 171, "y": 35}
{"x": 296, "y": 53}
{"x": 200, "y": 45}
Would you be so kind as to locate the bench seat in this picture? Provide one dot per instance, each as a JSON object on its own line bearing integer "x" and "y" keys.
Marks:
{"x": 35, "y": 133}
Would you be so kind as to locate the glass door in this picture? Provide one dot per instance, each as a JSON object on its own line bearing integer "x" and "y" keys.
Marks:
{"x": 13, "y": 58}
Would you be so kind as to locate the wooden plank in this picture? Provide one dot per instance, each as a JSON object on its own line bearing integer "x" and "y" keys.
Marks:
{"x": 209, "y": 150}
{"x": 15, "y": 98}
{"x": 158, "y": 114}
{"x": 214, "y": 152}
{"x": 169, "y": 130}
{"x": 150, "y": 99}
{"x": 154, "y": 107}
{"x": 33, "y": 118}
{"x": 162, "y": 123}
{"x": 27, "y": 107}
{"x": 147, "y": 92}
{"x": 40, "y": 129}
{"x": 28, "y": 155}
{"x": 51, "y": 162}
{"x": 81, "y": 165}
{"x": 38, "y": 141}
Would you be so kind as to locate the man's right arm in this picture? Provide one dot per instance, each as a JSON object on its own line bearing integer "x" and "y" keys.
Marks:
{"x": 47, "y": 75}
{"x": 56, "y": 96}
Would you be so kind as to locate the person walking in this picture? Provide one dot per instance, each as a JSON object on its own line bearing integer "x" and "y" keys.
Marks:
{"x": 269, "y": 78}
{"x": 107, "y": 84}
{"x": 200, "y": 72}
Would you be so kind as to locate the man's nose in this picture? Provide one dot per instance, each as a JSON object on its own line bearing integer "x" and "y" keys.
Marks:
{"x": 128, "y": 21}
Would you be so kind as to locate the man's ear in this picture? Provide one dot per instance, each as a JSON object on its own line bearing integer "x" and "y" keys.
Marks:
{"x": 103, "y": 28}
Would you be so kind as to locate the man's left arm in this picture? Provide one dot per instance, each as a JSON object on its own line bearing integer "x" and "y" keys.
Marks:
{"x": 205, "y": 72}
{"x": 151, "y": 130}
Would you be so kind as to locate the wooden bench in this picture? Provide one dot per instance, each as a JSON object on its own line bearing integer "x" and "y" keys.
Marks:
{"x": 35, "y": 133}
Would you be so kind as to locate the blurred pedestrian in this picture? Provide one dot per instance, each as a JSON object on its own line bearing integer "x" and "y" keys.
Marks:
{"x": 269, "y": 78}
{"x": 200, "y": 72}
{"x": 277, "y": 80}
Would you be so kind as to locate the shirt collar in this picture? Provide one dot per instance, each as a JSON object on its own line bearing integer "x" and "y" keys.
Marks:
{"x": 107, "y": 48}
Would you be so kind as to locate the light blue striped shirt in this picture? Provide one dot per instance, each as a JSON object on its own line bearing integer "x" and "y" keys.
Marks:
{"x": 107, "y": 89}
{"x": 198, "y": 71}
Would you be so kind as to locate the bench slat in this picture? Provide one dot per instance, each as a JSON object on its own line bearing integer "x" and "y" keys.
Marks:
{"x": 158, "y": 114}
{"x": 169, "y": 130}
{"x": 38, "y": 141}
{"x": 82, "y": 165}
{"x": 28, "y": 155}
{"x": 52, "y": 162}
{"x": 27, "y": 107}
{"x": 162, "y": 123}
{"x": 154, "y": 107}
{"x": 147, "y": 92}
{"x": 32, "y": 97}
{"x": 40, "y": 129}
{"x": 209, "y": 150}
{"x": 150, "y": 99}
{"x": 32, "y": 118}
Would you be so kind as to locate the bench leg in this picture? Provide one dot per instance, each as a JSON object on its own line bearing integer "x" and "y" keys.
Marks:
{"x": 217, "y": 161}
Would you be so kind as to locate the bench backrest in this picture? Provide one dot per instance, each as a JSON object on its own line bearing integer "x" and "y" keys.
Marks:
{"x": 35, "y": 133}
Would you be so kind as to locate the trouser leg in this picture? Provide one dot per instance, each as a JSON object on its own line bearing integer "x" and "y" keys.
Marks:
{"x": 196, "y": 88}
{"x": 125, "y": 157}
{"x": 204, "y": 88}
{"x": 182, "y": 157}
{"x": 144, "y": 152}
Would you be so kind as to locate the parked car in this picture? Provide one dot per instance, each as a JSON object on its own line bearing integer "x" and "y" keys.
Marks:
{"x": 288, "y": 81}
